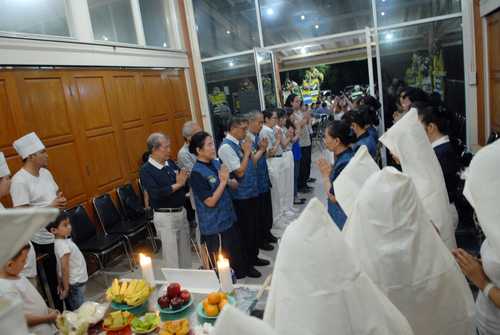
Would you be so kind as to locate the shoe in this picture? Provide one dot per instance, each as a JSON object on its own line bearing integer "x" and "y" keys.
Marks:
{"x": 311, "y": 180}
{"x": 299, "y": 201}
{"x": 261, "y": 262}
{"x": 240, "y": 275}
{"x": 271, "y": 238}
{"x": 266, "y": 247}
{"x": 253, "y": 273}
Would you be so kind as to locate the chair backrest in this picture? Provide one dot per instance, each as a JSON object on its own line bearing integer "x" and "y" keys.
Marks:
{"x": 108, "y": 214}
{"x": 130, "y": 202}
{"x": 82, "y": 228}
{"x": 143, "y": 194}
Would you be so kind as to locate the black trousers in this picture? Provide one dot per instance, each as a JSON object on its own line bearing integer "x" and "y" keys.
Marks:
{"x": 265, "y": 221}
{"x": 189, "y": 209}
{"x": 305, "y": 166}
{"x": 231, "y": 248}
{"x": 49, "y": 265}
{"x": 247, "y": 216}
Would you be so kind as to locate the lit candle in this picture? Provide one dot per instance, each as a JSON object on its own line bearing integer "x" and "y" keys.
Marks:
{"x": 225, "y": 278}
{"x": 147, "y": 269}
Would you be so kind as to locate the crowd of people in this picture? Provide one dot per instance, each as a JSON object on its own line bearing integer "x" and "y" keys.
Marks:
{"x": 236, "y": 193}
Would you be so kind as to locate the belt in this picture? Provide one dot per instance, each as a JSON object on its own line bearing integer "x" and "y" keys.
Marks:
{"x": 276, "y": 156}
{"x": 169, "y": 210}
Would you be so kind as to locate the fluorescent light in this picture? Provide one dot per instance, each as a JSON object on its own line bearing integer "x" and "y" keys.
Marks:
{"x": 228, "y": 32}
{"x": 302, "y": 17}
{"x": 164, "y": 44}
{"x": 270, "y": 12}
{"x": 383, "y": 13}
{"x": 316, "y": 26}
{"x": 104, "y": 37}
{"x": 389, "y": 36}
{"x": 231, "y": 64}
{"x": 303, "y": 50}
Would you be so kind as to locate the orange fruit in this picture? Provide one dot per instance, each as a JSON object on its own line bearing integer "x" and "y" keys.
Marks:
{"x": 222, "y": 295}
{"x": 205, "y": 303}
{"x": 214, "y": 298}
{"x": 212, "y": 310}
{"x": 222, "y": 303}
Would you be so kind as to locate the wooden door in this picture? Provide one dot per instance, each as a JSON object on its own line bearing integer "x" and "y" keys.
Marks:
{"x": 98, "y": 130}
{"x": 494, "y": 68}
{"x": 46, "y": 108}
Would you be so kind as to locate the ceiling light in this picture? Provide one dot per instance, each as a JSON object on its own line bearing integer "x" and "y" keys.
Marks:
{"x": 302, "y": 17}
{"x": 104, "y": 37}
{"x": 303, "y": 50}
{"x": 316, "y": 26}
{"x": 270, "y": 12}
{"x": 383, "y": 13}
{"x": 389, "y": 36}
{"x": 231, "y": 64}
{"x": 164, "y": 44}
{"x": 228, "y": 32}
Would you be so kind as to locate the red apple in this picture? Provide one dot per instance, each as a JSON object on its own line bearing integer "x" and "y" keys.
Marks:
{"x": 164, "y": 302}
{"x": 173, "y": 290}
{"x": 176, "y": 303}
{"x": 185, "y": 296}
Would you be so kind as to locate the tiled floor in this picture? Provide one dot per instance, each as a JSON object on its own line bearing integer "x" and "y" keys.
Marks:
{"x": 97, "y": 283}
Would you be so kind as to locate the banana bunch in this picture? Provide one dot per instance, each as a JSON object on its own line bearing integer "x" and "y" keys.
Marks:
{"x": 133, "y": 292}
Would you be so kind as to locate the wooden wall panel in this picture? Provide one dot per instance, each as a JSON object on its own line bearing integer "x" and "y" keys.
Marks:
{"x": 493, "y": 21}
{"x": 93, "y": 102}
{"x": 94, "y": 122}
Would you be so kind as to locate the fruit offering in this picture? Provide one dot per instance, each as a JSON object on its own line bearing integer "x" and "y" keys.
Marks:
{"x": 117, "y": 320}
{"x": 146, "y": 323}
{"x": 133, "y": 293}
{"x": 177, "y": 327}
{"x": 174, "y": 298}
{"x": 214, "y": 303}
{"x": 77, "y": 322}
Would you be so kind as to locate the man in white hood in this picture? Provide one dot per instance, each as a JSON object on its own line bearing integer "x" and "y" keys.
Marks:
{"x": 319, "y": 288}
{"x": 481, "y": 189}
{"x": 408, "y": 142}
{"x": 400, "y": 250}
{"x": 232, "y": 321}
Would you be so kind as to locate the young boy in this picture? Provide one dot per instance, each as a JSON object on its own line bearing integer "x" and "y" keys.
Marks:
{"x": 39, "y": 317}
{"x": 71, "y": 266}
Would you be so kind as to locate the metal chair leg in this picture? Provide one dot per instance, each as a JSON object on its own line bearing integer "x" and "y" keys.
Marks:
{"x": 130, "y": 260}
{"x": 151, "y": 237}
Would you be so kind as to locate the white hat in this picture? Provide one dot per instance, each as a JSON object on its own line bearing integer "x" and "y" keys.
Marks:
{"x": 481, "y": 189}
{"x": 353, "y": 176}
{"x": 408, "y": 141}
{"x": 405, "y": 257}
{"x": 318, "y": 286}
{"x": 28, "y": 145}
{"x": 232, "y": 321}
{"x": 18, "y": 225}
{"x": 4, "y": 168}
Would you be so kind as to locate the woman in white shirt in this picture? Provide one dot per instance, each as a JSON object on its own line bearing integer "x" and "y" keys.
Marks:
{"x": 481, "y": 190}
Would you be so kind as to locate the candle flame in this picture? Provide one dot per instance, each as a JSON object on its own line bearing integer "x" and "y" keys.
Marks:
{"x": 144, "y": 260}
{"x": 221, "y": 257}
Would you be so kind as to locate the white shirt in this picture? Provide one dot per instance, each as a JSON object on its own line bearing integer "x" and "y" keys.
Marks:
{"x": 487, "y": 314}
{"x": 185, "y": 159}
{"x": 439, "y": 141}
{"x": 33, "y": 302}
{"x": 305, "y": 137}
{"x": 268, "y": 133}
{"x": 27, "y": 189}
{"x": 77, "y": 266}
{"x": 156, "y": 164}
{"x": 228, "y": 156}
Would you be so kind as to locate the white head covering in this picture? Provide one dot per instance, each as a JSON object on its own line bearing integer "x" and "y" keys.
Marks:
{"x": 28, "y": 145}
{"x": 353, "y": 176}
{"x": 481, "y": 190}
{"x": 4, "y": 168}
{"x": 407, "y": 140}
{"x": 17, "y": 226}
{"x": 318, "y": 287}
{"x": 401, "y": 252}
{"x": 232, "y": 321}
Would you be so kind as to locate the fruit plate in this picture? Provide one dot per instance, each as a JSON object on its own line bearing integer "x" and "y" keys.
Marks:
{"x": 201, "y": 312}
{"x": 115, "y": 329}
{"x": 172, "y": 311}
{"x": 153, "y": 323}
{"x": 136, "y": 310}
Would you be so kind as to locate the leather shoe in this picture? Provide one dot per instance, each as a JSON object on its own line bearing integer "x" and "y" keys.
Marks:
{"x": 266, "y": 247}
{"x": 311, "y": 180}
{"x": 253, "y": 273}
{"x": 261, "y": 262}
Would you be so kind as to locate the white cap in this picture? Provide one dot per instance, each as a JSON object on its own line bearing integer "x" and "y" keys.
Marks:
{"x": 4, "y": 168}
{"x": 28, "y": 145}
